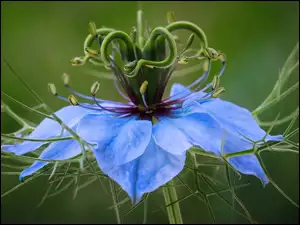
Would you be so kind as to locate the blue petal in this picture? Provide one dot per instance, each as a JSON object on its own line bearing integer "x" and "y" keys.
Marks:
{"x": 179, "y": 90}
{"x": 148, "y": 172}
{"x": 119, "y": 140}
{"x": 170, "y": 138}
{"x": 235, "y": 121}
{"x": 249, "y": 164}
{"x": 199, "y": 129}
{"x": 234, "y": 142}
{"x": 60, "y": 150}
{"x": 48, "y": 128}
{"x": 232, "y": 117}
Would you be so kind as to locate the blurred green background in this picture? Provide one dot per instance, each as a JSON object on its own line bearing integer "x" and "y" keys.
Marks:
{"x": 39, "y": 38}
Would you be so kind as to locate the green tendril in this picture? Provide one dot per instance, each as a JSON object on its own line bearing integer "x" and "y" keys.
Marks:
{"x": 178, "y": 25}
{"x": 90, "y": 40}
{"x": 126, "y": 42}
{"x": 140, "y": 29}
{"x": 157, "y": 32}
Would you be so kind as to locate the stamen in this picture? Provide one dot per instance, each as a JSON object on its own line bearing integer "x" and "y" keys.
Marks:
{"x": 92, "y": 28}
{"x": 216, "y": 82}
{"x": 198, "y": 82}
{"x": 222, "y": 58}
{"x": 182, "y": 60}
{"x": 216, "y": 93}
{"x": 79, "y": 61}
{"x": 94, "y": 90}
{"x": 188, "y": 43}
{"x": 92, "y": 52}
{"x": 66, "y": 80}
{"x": 143, "y": 89}
{"x": 203, "y": 77}
{"x": 73, "y": 100}
{"x": 52, "y": 88}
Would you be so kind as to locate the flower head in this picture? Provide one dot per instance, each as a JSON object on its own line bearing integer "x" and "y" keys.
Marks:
{"x": 142, "y": 144}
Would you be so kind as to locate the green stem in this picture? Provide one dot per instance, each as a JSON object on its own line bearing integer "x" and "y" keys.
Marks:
{"x": 115, "y": 203}
{"x": 15, "y": 116}
{"x": 173, "y": 210}
{"x": 37, "y": 140}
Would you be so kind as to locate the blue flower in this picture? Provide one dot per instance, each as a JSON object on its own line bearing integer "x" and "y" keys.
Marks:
{"x": 130, "y": 147}
{"x": 141, "y": 156}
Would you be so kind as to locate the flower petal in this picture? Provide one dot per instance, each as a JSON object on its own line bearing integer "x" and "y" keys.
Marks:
{"x": 48, "y": 128}
{"x": 199, "y": 129}
{"x": 234, "y": 118}
{"x": 170, "y": 138}
{"x": 119, "y": 140}
{"x": 233, "y": 142}
{"x": 249, "y": 164}
{"x": 246, "y": 164}
{"x": 60, "y": 150}
{"x": 148, "y": 172}
{"x": 179, "y": 90}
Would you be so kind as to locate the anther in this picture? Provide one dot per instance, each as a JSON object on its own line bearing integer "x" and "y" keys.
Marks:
{"x": 66, "y": 79}
{"x": 78, "y": 61}
{"x": 170, "y": 17}
{"x": 95, "y": 88}
{"x": 129, "y": 67}
{"x": 215, "y": 82}
{"x": 92, "y": 52}
{"x": 143, "y": 89}
{"x": 222, "y": 57}
{"x": 133, "y": 34}
{"x": 183, "y": 60}
{"x": 52, "y": 88}
{"x": 92, "y": 28}
{"x": 188, "y": 44}
{"x": 149, "y": 66}
{"x": 73, "y": 100}
{"x": 206, "y": 65}
{"x": 218, "y": 92}
{"x": 211, "y": 53}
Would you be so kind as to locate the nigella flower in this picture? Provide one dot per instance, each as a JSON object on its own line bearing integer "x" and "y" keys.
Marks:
{"x": 142, "y": 144}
